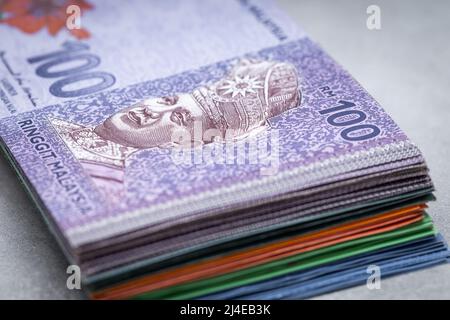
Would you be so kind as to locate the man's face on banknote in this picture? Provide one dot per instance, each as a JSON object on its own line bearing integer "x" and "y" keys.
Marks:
{"x": 151, "y": 123}
{"x": 227, "y": 109}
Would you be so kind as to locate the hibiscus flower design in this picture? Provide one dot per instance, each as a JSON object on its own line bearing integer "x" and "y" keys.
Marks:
{"x": 31, "y": 16}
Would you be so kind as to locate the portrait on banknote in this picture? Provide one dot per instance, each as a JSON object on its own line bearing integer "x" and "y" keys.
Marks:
{"x": 236, "y": 106}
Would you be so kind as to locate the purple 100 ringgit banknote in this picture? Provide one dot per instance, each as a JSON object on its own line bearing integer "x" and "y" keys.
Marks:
{"x": 204, "y": 139}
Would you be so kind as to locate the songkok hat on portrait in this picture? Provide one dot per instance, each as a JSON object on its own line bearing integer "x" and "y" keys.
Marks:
{"x": 252, "y": 92}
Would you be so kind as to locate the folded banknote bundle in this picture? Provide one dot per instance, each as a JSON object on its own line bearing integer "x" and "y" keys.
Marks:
{"x": 262, "y": 171}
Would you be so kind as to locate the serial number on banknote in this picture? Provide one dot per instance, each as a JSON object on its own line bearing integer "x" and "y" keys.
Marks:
{"x": 227, "y": 310}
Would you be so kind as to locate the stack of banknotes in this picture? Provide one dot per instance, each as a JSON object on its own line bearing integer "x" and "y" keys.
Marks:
{"x": 207, "y": 149}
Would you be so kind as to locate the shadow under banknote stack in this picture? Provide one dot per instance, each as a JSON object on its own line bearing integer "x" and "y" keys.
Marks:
{"x": 141, "y": 189}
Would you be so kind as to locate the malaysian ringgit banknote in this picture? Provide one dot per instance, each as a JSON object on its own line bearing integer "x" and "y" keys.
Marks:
{"x": 42, "y": 62}
{"x": 106, "y": 164}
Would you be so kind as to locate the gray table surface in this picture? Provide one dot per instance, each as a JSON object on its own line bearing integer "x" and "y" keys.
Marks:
{"x": 404, "y": 65}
